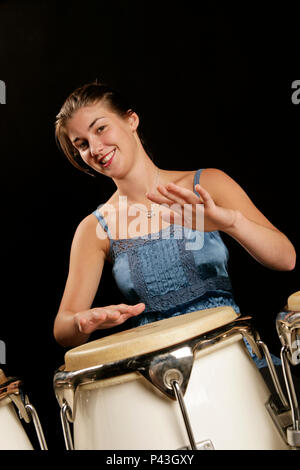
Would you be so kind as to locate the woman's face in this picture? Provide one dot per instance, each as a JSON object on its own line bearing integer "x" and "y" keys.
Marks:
{"x": 106, "y": 141}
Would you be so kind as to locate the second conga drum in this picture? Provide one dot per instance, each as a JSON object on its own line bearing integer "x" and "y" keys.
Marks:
{"x": 119, "y": 395}
{"x": 14, "y": 407}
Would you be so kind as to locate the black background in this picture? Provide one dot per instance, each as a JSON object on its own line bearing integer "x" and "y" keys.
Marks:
{"x": 212, "y": 87}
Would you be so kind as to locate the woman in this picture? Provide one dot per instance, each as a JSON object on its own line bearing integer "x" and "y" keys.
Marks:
{"x": 153, "y": 265}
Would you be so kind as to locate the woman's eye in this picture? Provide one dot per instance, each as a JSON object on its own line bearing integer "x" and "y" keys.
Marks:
{"x": 82, "y": 146}
{"x": 100, "y": 129}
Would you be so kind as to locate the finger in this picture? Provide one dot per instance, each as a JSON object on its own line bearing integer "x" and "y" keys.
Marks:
{"x": 111, "y": 314}
{"x": 138, "y": 308}
{"x": 124, "y": 308}
{"x": 158, "y": 198}
{"x": 85, "y": 326}
{"x": 184, "y": 194}
{"x": 171, "y": 196}
{"x": 203, "y": 191}
{"x": 97, "y": 315}
{"x": 119, "y": 321}
{"x": 133, "y": 310}
{"x": 207, "y": 199}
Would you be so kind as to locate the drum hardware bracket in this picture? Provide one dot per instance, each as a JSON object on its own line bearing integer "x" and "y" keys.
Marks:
{"x": 179, "y": 397}
{"x": 12, "y": 389}
{"x": 286, "y": 418}
{"x": 273, "y": 374}
{"x": 28, "y": 413}
{"x": 65, "y": 421}
{"x": 293, "y": 438}
{"x": 170, "y": 376}
{"x": 203, "y": 445}
{"x": 170, "y": 373}
{"x": 288, "y": 329}
{"x": 281, "y": 418}
{"x": 164, "y": 368}
{"x": 293, "y": 432}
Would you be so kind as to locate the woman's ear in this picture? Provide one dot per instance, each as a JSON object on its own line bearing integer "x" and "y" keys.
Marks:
{"x": 133, "y": 120}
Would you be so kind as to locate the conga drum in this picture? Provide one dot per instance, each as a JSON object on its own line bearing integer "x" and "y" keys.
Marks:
{"x": 180, "y": 383}
{"x": 14, "y": 406}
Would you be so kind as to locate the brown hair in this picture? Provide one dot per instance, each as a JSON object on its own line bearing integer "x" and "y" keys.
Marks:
{"x": 85, "y": 95}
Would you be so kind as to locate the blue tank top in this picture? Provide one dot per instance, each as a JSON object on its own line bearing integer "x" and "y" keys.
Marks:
{"x": 173, "y": 271}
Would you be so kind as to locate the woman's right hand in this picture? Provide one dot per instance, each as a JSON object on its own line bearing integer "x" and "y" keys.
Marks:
{"x": 101, "y": 318}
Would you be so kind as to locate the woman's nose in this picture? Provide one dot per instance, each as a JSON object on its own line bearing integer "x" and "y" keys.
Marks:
{"x": 96, "y": 147}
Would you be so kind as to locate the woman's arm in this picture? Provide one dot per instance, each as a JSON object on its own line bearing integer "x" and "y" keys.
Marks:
{"x": 75, "y": 320}
{"x": 249, "y": 226}
{"x": 228, "y": 208}
{"x": 268, "y": 246}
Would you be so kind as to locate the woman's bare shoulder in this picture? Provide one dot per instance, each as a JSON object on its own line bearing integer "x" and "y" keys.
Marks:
{"x": 90, "y": 232}
{"x": 213, "y": 173}
{"x": 218, "y": 181}
{"x": 212, "y": 179}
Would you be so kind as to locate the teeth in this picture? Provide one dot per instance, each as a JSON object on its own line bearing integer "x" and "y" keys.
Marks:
{"x": 108, "y": 157}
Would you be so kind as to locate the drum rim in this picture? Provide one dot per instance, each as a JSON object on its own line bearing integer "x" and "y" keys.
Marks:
{"x": 131, "y": 376}
{"x": 148, "y": 338}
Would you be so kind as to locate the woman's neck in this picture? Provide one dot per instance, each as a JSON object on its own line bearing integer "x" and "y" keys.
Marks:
{"x": 143, "y": 177}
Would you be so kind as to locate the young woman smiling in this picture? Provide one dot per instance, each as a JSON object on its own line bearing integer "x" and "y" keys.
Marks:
{"x": 156, "y": 273}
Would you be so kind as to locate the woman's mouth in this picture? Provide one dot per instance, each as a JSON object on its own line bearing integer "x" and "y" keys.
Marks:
{"x": 107, "y": 159}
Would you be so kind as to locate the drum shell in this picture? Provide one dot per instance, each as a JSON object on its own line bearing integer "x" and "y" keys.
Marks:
{"x": 12, "y": 433}
{"x": 225, "y": 399}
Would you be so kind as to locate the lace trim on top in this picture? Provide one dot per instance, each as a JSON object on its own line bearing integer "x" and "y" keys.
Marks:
{"x": 158, "y": 270}
{"x": 163, "y": 272}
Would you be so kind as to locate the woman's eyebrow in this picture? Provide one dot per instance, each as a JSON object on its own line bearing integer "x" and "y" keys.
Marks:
{"x": 91, "y": 125}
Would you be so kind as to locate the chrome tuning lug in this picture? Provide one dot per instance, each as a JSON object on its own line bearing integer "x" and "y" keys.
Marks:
{"x": 288, "y": 329}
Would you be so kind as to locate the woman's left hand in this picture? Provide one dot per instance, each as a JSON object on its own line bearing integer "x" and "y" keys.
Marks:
{"x": 240, "y": 219}
{"x": 182, "y": 206}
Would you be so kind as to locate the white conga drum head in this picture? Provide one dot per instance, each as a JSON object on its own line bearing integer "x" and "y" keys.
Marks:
{"x": 12, "y": 433}
{"x": 225, "y": 397}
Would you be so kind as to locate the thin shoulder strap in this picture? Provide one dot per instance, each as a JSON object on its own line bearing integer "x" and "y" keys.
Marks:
{"x": 197, "y": 179}
{"x": 101, "y": 220}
